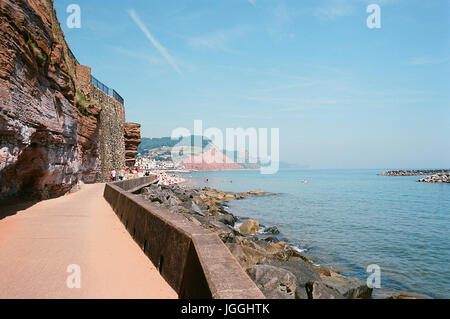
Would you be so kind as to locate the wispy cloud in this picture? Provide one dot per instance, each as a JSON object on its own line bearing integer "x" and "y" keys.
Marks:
{"x": 154, "y": 41}
{"x": 331, "y": 9}
{"x": 219, "y": 40}
{"x": 427, "y": 60}
{"x": 335, "y": 8}
{"x": 287, "y": 87}
{"x": 141, "y": 56}
{"x": 252, "y": 2}
{"x": 280, "y": 21}
{"x": 249, "y": 116}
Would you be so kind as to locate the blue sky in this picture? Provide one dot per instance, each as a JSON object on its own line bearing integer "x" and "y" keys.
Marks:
{"x": 342, "y": 95}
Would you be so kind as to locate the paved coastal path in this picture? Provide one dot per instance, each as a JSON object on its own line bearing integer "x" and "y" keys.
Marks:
{"x": 38, "y": 244}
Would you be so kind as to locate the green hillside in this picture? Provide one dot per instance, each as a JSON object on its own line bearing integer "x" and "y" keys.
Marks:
{"x": 148, "y": 144}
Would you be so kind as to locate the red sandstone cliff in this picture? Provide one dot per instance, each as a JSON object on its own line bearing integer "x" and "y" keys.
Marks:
{"x": 132, "y": 134}
{"x": 50, "y": 128}
{"x": 210, "y": 160}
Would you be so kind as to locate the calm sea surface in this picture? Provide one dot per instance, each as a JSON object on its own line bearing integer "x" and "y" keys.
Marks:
{"x": 349, "y": 219}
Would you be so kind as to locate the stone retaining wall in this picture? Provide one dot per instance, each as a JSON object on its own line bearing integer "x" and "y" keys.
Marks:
{"x": 193, "y": 261}
{"x": 111, "y": 142}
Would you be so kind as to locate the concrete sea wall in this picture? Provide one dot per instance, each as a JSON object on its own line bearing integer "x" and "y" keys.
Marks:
{"x": 193, "y": 261}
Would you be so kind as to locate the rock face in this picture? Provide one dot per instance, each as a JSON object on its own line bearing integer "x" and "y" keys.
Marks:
{"x": 54, "y": 124}
{"x": 132, "y": 135}
{"x": 39, "y": 147}
{"x": 211, "y": 160}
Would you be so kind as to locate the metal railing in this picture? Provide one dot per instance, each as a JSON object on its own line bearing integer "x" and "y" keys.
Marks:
{"x": 107, "y": 90}
{"x": 117, "y": 96}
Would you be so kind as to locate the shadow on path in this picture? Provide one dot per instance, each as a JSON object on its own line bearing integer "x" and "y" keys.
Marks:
{"x": 12, "y": 206}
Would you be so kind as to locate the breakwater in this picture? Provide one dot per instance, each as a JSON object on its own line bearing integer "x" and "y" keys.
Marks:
{"x": 437, "y": 178}
{"x": 415, "y": 172}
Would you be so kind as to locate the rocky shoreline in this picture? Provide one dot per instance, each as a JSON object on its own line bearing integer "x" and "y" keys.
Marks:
{"x": 277, "y": 268}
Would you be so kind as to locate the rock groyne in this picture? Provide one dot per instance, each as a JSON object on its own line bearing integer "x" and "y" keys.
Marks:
{"x": 415, "y": 172}
{"x": 437, "y": 175}
{"x": 437, "y": 178}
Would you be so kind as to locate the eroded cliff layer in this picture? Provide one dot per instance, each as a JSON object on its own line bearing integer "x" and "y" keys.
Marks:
{"x": 56, "y": 128}
{"x": 132, "y": 136}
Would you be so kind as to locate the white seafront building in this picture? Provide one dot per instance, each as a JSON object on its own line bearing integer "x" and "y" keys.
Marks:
{"x": 150, "y": 164}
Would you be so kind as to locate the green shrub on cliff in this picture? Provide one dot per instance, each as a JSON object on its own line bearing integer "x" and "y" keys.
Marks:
{"x": 148, "y": 144}
{"x": 83, "y": 104}
{"x": 40, "y": 56}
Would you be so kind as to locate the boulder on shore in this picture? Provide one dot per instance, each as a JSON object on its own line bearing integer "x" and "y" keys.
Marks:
{"x": 351, "y": 288}
{"x": 274, "y": 282}
{"x": 323, "y": 271}
{"x": 317, "y": 290}
{"x": 227, "y": 219}
{"x": 303, "y": 272}
{"x": 250, "y": 252}
{"x": 273, "y": 230}
{"x": 250, "y": 227}
{"x": 225, "y": 232}
{"x": 289, "y": 252}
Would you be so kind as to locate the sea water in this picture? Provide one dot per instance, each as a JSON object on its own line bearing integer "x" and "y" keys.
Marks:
{"x": 350, "y": 219}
